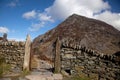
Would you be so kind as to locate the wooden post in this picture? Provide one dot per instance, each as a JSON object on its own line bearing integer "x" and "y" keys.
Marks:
{"x": 57, "y": 57}
{"x": 26, "y": 64}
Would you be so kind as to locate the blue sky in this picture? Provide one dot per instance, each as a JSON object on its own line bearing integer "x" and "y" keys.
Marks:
{"x": 21, "y": 17}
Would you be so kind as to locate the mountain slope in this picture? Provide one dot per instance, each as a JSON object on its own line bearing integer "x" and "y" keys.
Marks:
{"x": 78, "y": 30}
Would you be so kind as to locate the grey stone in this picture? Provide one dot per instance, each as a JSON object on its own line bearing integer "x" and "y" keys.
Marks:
{"x": 90, "y": 62}
{"x": 27, "y": 53}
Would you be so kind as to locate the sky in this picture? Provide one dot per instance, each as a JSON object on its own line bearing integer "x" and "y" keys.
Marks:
{"x": 35, "y": 17}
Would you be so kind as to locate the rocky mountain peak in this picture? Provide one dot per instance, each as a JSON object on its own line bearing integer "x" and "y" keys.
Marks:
{"x": 78, "y": 30}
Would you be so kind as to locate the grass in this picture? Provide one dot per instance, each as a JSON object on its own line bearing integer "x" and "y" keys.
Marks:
{"x": 77, "y": 77}
{"x": 24, "y": 73}
{"x": 4, "y": 67}
{"x": 81, "y": 76}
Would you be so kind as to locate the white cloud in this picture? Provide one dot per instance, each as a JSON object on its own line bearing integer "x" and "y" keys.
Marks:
{"x": 13, "y": 3}
{"x": 30, "y": 14}
{"x": 41, "y": 17}
{"x": 110, "y": 18}
{"x": 45, "y": 17}
{"x": 3, "y": 29}
{"x": 97, "y": 9}
{"x": 61, "y": 9}
{"x": 36, "y": 26}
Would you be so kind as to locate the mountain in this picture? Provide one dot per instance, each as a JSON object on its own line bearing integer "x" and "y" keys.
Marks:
{"x": 79, "y": 30}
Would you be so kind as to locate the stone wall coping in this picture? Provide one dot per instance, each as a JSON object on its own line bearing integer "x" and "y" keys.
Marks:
{"x": 12, "y": 43}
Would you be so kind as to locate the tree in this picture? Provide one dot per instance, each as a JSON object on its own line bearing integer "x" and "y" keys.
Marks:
{"x": 5, "y": 37}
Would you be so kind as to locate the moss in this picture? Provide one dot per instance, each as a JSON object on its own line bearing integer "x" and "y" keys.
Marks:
{"x": 82, "y": 76}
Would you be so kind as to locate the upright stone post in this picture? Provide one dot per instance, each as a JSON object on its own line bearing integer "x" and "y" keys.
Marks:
{"x": 26, "y": 64}
{"x": 57, "y": 57}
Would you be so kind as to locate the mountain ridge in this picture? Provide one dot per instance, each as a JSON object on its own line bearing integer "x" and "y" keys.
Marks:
{"x": 79, "y": 30}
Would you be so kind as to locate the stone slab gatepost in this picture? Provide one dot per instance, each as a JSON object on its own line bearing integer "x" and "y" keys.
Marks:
{"x": 57, "y": 57}
{"x": 26, "y": 64}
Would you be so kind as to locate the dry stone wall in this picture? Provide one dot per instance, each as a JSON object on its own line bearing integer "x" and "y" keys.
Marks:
{"x": 13, "y": 52}
{"x": 90, "y": 63}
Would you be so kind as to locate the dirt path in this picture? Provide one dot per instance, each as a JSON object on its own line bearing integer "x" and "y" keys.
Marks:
{"x": 44, "y": 75}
